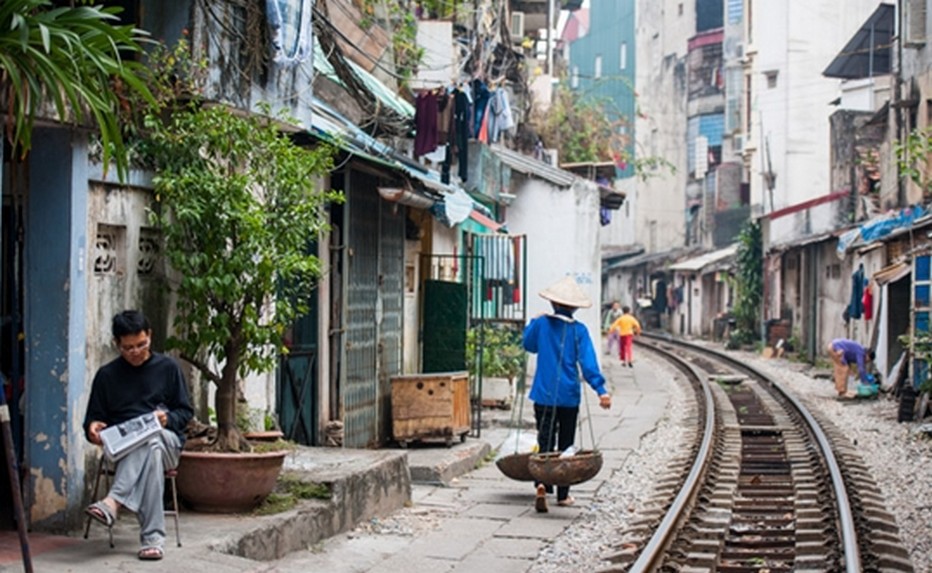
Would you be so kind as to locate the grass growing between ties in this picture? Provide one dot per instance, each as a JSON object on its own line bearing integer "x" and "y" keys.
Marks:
{"x": 290, "y": 490}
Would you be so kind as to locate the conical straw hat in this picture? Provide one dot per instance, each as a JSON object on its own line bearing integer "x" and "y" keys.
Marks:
{"x": 567, "y": 292}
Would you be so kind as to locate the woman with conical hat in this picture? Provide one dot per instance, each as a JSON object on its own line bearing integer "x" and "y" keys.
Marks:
{"x": 561, "y": 343}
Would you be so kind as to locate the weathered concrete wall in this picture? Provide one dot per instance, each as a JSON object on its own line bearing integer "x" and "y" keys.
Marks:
{"x": 654, "y": 213}
{"x": 562, "y": 228}
{"x": 792, "y": 42}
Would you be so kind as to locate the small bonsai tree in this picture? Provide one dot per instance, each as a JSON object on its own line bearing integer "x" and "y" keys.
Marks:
{"x": 237, "y": 204}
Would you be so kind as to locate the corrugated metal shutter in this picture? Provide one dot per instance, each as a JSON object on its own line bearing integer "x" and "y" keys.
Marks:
{"x": 374, "y": 311}
{"x": 391, "y": 303}
{"x": 360, "y": 388}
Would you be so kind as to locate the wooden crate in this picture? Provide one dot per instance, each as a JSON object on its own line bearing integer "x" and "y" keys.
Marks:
{"x": 430, "y": 406}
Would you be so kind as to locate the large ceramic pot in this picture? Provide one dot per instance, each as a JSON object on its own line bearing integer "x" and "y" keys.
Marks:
{"x": 227, "y": 483}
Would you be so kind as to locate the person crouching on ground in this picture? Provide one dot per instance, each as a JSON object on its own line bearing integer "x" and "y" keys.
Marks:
{"x": 561, "y": 343}
{"x": 627, "y": 327}
{"x": 845, "y": 353}
{"x": 138, "y": 382}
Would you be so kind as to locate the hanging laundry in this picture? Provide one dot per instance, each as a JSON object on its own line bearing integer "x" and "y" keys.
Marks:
{"x": 444, "y": 117}
{"x": 500, "y": 119}
{"x": 868, "y": 302}
{"x": 856, "y": 305}
{"x": 481, "y": 96}
{"x": 484, "y": 127}
{"x": 425, "y": 123}
{"x": 461, "y": 134}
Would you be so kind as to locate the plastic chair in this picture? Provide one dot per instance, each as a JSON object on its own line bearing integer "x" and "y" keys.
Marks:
{"x": 105, "y": 470}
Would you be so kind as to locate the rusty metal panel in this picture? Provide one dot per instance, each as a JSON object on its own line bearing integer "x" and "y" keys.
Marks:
{"x": 360, "y": 388}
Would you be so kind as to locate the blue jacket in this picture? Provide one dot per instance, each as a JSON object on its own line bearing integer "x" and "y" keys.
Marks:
{"x": 560, "y": 344}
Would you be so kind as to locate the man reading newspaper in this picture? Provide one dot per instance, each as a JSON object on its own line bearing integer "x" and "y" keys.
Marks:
{"x": 139, "y": 382}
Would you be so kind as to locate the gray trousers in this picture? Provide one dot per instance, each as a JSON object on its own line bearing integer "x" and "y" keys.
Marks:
{"x": 139, "y": 484}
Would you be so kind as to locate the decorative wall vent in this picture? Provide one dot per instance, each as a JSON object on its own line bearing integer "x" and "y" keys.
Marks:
{"x": 108, "y": 249}
{"x": 149, "y": 241}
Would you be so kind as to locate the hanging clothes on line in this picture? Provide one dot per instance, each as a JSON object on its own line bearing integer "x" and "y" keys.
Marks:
{"x": 500, "y": 117}
{"x": 425, "y": 123}
{"x": 460, "y": 133}
{"x": 481, "y": 95}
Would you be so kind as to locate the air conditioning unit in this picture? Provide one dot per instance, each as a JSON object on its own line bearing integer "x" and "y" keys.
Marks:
{"x": 737, "y": 143}
{"x": 517, "y": 26}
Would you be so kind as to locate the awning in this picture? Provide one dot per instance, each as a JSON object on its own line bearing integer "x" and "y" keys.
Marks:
{"x": 698, "y": 263}
{"x": 867, "y": 53}
{"x": 892, "y": 273}
{"x": 485, "y": 221}
{"x": 448, "y": 203}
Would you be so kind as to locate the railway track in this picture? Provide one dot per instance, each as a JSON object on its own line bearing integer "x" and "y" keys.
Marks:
{"x": 762, "y": 487}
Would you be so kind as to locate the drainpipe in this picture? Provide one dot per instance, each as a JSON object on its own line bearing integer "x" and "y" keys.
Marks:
{"x": 897, "y": 89}
{"x": 550, "y": 24}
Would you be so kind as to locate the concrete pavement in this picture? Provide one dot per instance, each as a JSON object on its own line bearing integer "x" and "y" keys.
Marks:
{"x": 479, "y": 520}
{"x": 485, "y": 521}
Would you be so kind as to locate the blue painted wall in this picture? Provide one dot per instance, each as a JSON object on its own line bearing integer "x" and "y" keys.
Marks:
{"x": 54, "y": 318}
{"x": 611, "y": 24}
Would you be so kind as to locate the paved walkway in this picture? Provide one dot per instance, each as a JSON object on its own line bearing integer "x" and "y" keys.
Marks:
{"x": 489, "y": 522}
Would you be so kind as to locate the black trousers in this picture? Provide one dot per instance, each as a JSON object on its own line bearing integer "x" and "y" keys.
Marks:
{"x": 556, "y": 431}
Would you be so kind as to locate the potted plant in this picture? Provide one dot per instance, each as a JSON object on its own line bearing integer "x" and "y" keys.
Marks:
{"x": 494, "y": 350}
{"x": 238, "y": 206}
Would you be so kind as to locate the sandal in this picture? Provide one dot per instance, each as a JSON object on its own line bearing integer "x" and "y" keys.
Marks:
{"x": 566, "y": 502}
{"x": 100, "y": 512}
{"x": 150, "y": 553}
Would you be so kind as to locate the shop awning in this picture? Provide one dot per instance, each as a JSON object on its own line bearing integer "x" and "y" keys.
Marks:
{"x": 696, "y": 264}
{"x": 486, "y": 221}
{"x": 892, "y": 273}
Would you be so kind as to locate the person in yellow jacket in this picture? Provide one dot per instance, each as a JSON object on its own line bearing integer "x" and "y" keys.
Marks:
{"x": 627, "y": 328}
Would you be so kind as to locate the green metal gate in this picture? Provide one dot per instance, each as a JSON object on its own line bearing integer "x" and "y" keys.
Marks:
{"x": 297, "y": 381}
{"x": 481, "y": 290}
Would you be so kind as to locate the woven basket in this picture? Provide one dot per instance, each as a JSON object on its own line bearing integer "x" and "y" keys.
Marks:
{"x": 515, "y": 466}
{"x": 551, "y": 469}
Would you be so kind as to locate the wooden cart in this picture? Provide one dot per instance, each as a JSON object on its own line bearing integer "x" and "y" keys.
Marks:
{"x": 431, "y": 406}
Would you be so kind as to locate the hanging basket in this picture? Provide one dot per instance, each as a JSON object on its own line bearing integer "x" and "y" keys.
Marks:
{"x": 515, "y": 466}
{"x": 551, "y": 469}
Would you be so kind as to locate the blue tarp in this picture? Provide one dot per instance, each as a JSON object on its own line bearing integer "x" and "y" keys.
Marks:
{"x": 878, "y": 228}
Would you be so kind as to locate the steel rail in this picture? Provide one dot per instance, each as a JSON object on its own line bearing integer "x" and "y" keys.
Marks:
{"x": 654, "y": 550}
{"x": 851, "y": 552}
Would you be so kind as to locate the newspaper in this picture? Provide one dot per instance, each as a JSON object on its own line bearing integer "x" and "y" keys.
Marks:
{"x": 123, "y": 438}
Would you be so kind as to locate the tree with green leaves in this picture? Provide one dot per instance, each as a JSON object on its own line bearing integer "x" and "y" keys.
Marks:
{"x": 238, "y": 205}
{"x": 913, "y": 158}
{"x": 586, "y": 129}
{"x": 749, "y": 285}
{"x": 73, "y": 59}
